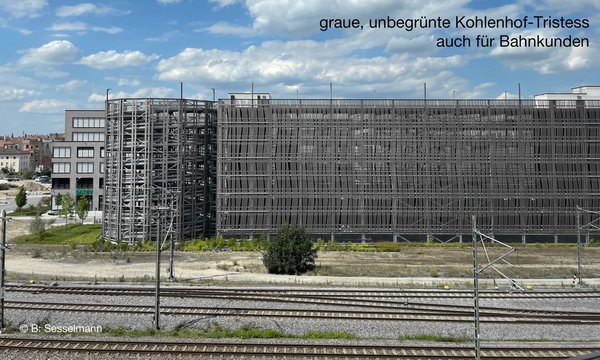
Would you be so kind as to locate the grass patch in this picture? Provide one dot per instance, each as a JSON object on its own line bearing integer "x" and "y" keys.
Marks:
{"x": 330, "y": 335}
{"x": 436, "y": 338}
{"x": 216, "y": 331}
{"x": 259, "y": 243}
{"x": 75, "y": 234}
{"x": 29, "y": 211}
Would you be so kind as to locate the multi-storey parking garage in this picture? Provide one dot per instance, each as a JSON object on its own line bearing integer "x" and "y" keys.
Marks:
{"x": 378, "y": 169}
{"x": 372, "y": 168}
{"x": 159, "y": 169}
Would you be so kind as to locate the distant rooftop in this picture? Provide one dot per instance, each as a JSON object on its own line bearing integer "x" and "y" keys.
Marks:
{"x": 585, "y": 92}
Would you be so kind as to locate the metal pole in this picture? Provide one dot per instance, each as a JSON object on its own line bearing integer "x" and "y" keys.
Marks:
{"x": 475, "y": 288}
{"x": 579, "y": 246}
{"x": 157, "y": 306}
{"x": 213, "y": 90}
{"x": 171, "y": 253}
{"x": 3, "y": 269}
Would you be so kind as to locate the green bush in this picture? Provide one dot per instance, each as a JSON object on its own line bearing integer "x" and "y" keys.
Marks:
{"x": 219, "y": 243}
{"x": 6, "y": 186}
{"x": 291, "y": 252}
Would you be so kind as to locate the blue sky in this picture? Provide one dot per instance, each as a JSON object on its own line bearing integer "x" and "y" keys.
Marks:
{"x": 59, "y": 55}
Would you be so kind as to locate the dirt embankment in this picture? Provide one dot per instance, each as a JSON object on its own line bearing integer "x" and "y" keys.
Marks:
{"x": 29, "y": 185}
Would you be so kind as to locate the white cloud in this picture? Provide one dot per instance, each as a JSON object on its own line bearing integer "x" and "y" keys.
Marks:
{"x": 98, "y": 98}
{"x": 109, "y": 30}
{"x": 72, "y": 85}
{"x": 50, "y": 73}
{"x": 164, "y": 37}
{"x": 565, "y": 7}
{"x": 82, "y": 27}
{"x": 112, "y": 59}
{"x": 155, "y": 92}
{"x": 69, "y": 26}
{"x": 422, "y": 44}
{"x": 46, "y": 106}
{"x": 168, "y": 2}
{"x": 16, "y": 94}
{"x": 223, "y": 3}
{"x": 53, "y": 53}
{"x": 82, "y": 9}
{"x": 547, "y": 60}
{"x": 128, "y": 82}
{"x": 23, "y": 8}
{"x": 505, "y": 95}
{"x": 281, "y": 66}
{"x": 24, "y": 31}
{"x": 224, "y": 28}
{"x": 292, "y": 17}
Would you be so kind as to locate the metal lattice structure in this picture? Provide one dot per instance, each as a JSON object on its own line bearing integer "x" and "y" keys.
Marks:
{"x": 160, "y": 153}
{"x": 402, "y": 167}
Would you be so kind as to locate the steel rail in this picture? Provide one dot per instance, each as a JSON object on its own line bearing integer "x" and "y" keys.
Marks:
{"x": 281, "y": 350}
{"x": 328, "y": 292}
{"x": 398, "y": 314}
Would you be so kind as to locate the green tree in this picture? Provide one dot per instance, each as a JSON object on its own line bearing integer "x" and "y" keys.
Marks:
{"x": 44, "y": 204}
{"x": 45, "y": 172}
{"x": 291, "y": 252}
{"x": 21, "y": 198}
{"x": 38, "y": 226}
{"x": 68, "y": 206}
{"x": 58, "y": 200}
{"x": 82, "y": 208}
{"x": 26, "y": 174}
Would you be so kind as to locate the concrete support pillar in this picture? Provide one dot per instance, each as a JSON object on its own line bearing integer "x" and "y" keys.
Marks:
{"x": 556, "y": 239}
{"x": 460, "y": 239}
{"x": 523, "y": 236}
{"x": 332, "y": 237}
{"x": 395, "y": 238}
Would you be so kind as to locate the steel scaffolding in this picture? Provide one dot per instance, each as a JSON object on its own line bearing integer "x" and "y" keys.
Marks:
{"x": 402, "y": 167}
{"x": 159, "y": 153}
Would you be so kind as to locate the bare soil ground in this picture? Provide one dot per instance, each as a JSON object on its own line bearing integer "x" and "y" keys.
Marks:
{"x": 57, "y": 262}
{"x": 30, "y": 185}
{"x": 64, "y": 263}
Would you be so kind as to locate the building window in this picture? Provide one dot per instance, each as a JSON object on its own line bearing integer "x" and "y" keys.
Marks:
{"x": 85, "y": 152}
{"x": 101, "y": 168}
{"x": 87, "y": 136}
{"x": 61, "y": 168}
{"x": 85, "y": 168}
{"x": 61, "y": 152}
{"x": 79, "y": 122}
{"x": 102, "y": 152}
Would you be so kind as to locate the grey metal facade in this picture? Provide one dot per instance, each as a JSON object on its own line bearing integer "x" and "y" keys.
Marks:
{"x": 401, "y": 167}
{"x": 159, "y": 169}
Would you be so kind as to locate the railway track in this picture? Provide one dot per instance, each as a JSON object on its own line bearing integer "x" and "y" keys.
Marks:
{"x": 430, "y": 315}
{"x": 330, "y": 293}
{"x": 368, "y": 302}
{"x": 254, "y": 350}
